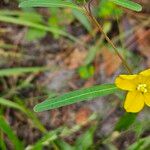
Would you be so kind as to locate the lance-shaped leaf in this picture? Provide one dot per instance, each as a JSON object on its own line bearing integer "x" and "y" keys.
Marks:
{"x": 76, "y": 96}
{"x": 47, "y": 3}
{"x": 128, "y": 4}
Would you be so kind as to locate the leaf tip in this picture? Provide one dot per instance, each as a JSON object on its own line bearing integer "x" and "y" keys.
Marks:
{"x": 36, "y": 108}
{"x": 140, "y": 8}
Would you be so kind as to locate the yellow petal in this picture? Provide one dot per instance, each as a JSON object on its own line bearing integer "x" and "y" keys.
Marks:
{"x": 147, "y": 99}
{"x": 145, "y": 72}
{"x": 134, "y": 102}
{"x": 126, "y": 82}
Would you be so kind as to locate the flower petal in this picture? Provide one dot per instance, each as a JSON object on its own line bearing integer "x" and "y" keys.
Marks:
{"x": 147, "y": 98}
{"x": 126, "y": 82}
{"x": 134, "y": 102}
{"x": 145, "y": 72}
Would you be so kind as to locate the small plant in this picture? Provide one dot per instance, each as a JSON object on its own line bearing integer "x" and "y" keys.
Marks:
{"x": 136, "y": 85}
{"x": 101, "y": 90}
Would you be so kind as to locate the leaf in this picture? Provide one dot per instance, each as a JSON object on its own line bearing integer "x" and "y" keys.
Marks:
{"x": 35, "y": 17}
{"x": 128, "y": 4}
{"x": 76, "y": 96}
{"x": 19, "y": 21}
{"x": 44, "y": 141}
{"x": 11, "y": 104}
{"x": 141, "y": 144}
{"x": 34, "y": 34}
{"x": 19, "y": 71}
{"x": 2, "y": 143}
{"x": 63, "y": 145}
{"x": 82, "y": 18}
{"x": 24, "y": 110}
{"x": 86, "y": 72}
{"x": 125, "y": 121}
{"x": 9, "y": 132}
{"x": 85, "y": 141}
{"x": 108, "y": 9}
{"x": 47, "y": 3}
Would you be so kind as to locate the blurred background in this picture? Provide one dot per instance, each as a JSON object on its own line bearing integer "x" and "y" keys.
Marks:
{"x": 56, "y": 50}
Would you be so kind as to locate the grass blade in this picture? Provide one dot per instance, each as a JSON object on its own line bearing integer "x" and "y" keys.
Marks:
{"x": 128, "y": 4}
{"x": 125, "y": 121}
{"x": 9, "y": 132}
{"x": 11, "y": 104}
{"x": 46, "y": 139}
{"x": 141, "y": 144}
{"x": 39, "y": 26}
{"x": 19, "y": 71}
{"x": 24, "y": 110}
{"x": 83, "y": 19}
{"x": 76, "y": 96}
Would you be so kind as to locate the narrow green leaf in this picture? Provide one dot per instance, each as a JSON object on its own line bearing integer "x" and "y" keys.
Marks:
{"x": 47, "y": 3}
{"x": 19, "y": 21}
{"x": 141, "y": 144}
{"x": 11, "y": 104}
{"x": 128, "y": 4}
{"x": 63, "y": 145}
{"x": 45, "y": 140}
{"x": 86, "y": 140}
{"x": 76, "y": 96}
{"x": 4, "y": 126}
{"x": 125, "y": 121}
{"x": 19, "y": 71}
{"x": 2, "y": 142}
{"x": 24, "y": 110}
{"x": 82, "y": 18}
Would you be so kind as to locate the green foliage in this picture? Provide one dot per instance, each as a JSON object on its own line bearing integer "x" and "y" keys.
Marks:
{"x": 82, "y": 18}
{"x": 76, "y": 96}
{"x": 128, "y": 4}
{"x": 4, "y": 126}
{"x": 141, "y": 144}
{"x": 125, "y": 121}
{"x": 34, "y": 34}
{"x": 59, "y": 18}
{"x": 23, "y": 109}
{"x": 2, "y": 143}
{"x": 11, "y": 104}
{"x": 47, "y": 3}
{"x": 64, "y": 145}
{"x": 26, "y": 15}
{"x": 59, "y": 3}
{"x": 85, "y": 141}
{"x": 108, "y": 9}
{"x": 37, "y": 28}
{"x": 86, "y": 72}
{"x": 20, "y": 71}
{"x": 46, "y": 139}
{"x": 13, "y": 17}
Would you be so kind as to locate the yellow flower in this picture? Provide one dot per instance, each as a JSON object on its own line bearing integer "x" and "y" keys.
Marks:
{"x": 138, "y": 87}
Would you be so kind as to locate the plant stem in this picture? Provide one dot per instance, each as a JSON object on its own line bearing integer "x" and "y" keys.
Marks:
{"x": 93, "y": 19}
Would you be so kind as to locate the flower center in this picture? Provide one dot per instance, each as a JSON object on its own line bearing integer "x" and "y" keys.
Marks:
{"x": 142, "y": 88}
